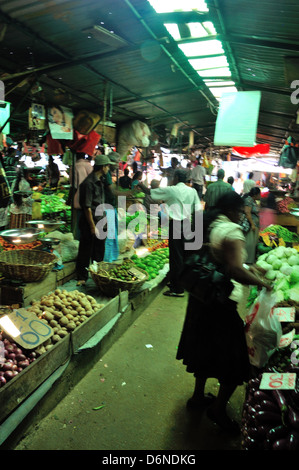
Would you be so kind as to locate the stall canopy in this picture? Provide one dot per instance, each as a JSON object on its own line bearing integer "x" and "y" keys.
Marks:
{"x": 132, "y": 59}
{"x": 259, "y": 149}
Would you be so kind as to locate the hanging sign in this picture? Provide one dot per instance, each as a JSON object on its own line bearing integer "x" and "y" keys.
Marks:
{"x": 37, "y": 117}
{"x": 4, "y": 115}
{"x": 26, "y": 329}
{"x": 60, "y": 120}
{"x": 237, "y": 119}
{"x": 285, "y": 314}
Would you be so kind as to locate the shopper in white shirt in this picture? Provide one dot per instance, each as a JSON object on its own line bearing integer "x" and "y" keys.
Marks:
{"x": 181, "y": 204}
{"x": 198, "y": 179}
{"x": 248, "y": 184}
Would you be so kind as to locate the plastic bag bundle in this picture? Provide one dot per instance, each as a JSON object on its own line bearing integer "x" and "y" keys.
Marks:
{"x": 263, "y": 329}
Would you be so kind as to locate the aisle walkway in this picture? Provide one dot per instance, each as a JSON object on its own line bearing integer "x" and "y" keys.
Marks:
{"x": 134, "y": 398}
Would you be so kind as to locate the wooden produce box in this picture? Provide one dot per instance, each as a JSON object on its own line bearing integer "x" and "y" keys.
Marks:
{"x": 24, "y": 294}
{"x": 25, "y": 383}
{"x": 94, "y": 323}
{"x": 65, "y": 274}
{"x": 288, "y": 220}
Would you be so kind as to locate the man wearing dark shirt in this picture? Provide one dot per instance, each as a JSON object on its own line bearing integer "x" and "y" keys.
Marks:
{"x": 92, "y": 194}
{"x": 125, "y": 181}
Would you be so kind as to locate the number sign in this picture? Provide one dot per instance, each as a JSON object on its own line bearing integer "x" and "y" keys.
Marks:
{"x": 278, "y": 381}
{"x": 26, "y": 329}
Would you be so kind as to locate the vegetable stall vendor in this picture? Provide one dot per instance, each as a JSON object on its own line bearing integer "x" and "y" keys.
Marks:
{"x": 92, "y": 194}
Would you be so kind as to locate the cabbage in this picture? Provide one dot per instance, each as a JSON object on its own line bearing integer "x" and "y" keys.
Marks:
{"x": 279, "y": 275}
{"x": 279, "y": 252}
{"x": 263, "y": 257}
{"x": 294, "y": 276}
{"x": 271, "y": 258}
{"x": 271, "y": 275}
{"x": 276, "y": 264}
{"x": 282, "y": 284}
{"x": 294, "y": 293}
{"x": 263, "y": 265}
{"x": 279, "y": 296}
{"x": 289, "y": 252}
{"x": 293, "y": 260}
{"x": 286, "y": 269}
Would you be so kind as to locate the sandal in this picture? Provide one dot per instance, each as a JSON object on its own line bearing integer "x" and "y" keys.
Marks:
{"x": 195, "y": 404}
{"x": 224, "y": 422}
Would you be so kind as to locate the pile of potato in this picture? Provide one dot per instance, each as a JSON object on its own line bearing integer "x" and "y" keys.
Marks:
{"x": 64, "y": 311}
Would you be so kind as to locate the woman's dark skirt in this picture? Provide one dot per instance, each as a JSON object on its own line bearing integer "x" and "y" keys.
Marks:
{"x": 213, "y": 342}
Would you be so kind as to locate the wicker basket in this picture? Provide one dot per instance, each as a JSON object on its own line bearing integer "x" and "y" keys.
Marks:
{"x": 26, "y": 265}
{"x": 111, "y": 286}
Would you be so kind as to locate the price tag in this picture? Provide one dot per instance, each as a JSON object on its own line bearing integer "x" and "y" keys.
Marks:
{"x": 287, "y": 339}
{"x": 277, "y": 381}
{"x": 285, "y": 314}
{"x": 135, "y": 272}
{"x": 26, "y": 329}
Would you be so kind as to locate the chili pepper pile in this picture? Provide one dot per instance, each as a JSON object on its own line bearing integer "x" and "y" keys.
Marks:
{"x": 285, "y": 205}
{"x": 154, "y": 245}
{"x": 5, "y": 246}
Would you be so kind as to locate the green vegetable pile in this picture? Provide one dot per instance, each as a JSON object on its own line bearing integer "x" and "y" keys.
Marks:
{"x": 52, "y": 203}
{"x": 152, "y": 263}
{"x": 281, "y": 232}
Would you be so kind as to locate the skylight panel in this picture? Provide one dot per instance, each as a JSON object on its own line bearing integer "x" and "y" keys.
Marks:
{"x": 219, "y": 72}
{"x": 218, "y": 92}
{"x": 173, "y": 30}
{"x": 219, "y": 83}
{"x": 165, "y": 6}
{"x": 208, "y": 63}
{"x": 199, "y": 48}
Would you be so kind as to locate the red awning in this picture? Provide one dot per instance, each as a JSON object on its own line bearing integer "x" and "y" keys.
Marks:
{"x": 260, "y": 149}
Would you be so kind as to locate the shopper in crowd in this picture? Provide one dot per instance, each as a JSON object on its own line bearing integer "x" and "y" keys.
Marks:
{"x": 52, "y": 173}
{"x": 11, "y": 169}
{"x": 268, "y": 211}
{"x": 20, "y": 210}
{"x": 189, "y": 171}
{"x": 248, "y": 184}
{"x": 215, "y": 190}
{"x": 181, "y": 202}
{"x": 125, "y": 181}
{"x": 82, "y": 169}
{"x": 92, "y": 195}
{"x": 151, "y": 205}
{"x": 198, "y": 178}
{"x": 212, "y": 343}
{"x": 230, "y": 181}
{"x": 251, "y": 210}
{"x": 137, "y": 178}
{"x": 169, "y": 172}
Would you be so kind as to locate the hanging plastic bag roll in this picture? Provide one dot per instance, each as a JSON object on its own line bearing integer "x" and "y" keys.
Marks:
{"x": 263, "y": 329}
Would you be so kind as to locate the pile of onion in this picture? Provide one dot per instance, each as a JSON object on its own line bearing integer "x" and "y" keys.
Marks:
{"x": 15, "y": 360}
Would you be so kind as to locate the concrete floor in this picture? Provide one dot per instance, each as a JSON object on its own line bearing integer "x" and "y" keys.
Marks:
{"x": 140, "y": 390}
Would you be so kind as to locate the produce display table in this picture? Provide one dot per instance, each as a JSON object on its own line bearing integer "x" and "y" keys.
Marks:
{"x": 38, "y": 387}
{"x": 288, "y": 220}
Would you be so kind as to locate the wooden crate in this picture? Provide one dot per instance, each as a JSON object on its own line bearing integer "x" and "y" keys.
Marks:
{"x": 23, "y": 295}
{"x": 21, "y": 386}
{"x": 288, "y": 220}
{"x": 91, "y": 326}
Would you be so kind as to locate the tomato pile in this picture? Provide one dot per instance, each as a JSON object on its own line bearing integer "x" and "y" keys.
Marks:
{"x": 5, "y": 246}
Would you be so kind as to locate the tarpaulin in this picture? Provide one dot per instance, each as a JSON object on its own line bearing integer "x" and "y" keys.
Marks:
{"x": 260, "y": 149}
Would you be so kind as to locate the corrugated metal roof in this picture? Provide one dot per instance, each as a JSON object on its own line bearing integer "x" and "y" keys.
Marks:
{"x": 145, "y": 72}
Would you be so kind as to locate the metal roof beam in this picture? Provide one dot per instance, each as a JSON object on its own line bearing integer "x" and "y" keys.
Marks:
{"x": 184, "y": 17}
{"x": 272, "y": 43}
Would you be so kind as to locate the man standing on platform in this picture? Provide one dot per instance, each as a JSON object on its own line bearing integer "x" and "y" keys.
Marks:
{"x": 198, "y": 178}
{"x": 92, "y": 194}
{"x": 181, "y": 203}
{"x": 215, "y": 190}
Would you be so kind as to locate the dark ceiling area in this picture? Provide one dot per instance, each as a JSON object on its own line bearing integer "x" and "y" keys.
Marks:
{"x": 116, "y": 58}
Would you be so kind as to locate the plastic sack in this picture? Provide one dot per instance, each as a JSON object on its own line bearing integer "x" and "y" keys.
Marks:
{"x": 263, "y": 329}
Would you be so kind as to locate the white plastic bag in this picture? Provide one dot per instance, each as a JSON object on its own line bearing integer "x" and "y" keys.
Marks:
{"x": 263, "y": 329}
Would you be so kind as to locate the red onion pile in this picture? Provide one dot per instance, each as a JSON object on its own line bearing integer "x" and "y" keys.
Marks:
{"x": 15, "y": 360}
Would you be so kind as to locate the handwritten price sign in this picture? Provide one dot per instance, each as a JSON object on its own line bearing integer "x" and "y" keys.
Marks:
{"x": 273, "y": 381}
{"x": 26, "y": 329}
{"x": 287, "y": 339}
{"x": 285, "y": 314}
